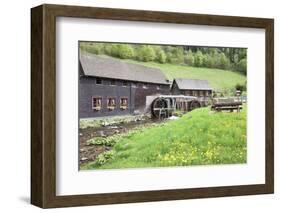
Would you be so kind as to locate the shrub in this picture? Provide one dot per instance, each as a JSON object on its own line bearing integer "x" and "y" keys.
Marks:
{"x": 216, "y": 59}
{"x": 242, "y": 66}
{"x": 108, "y": 49}
{"x": 209, "y": 61}
{"x": 189, "y": 58}
{"x": 178, "y": 55}
{"x": 146, "y": 53}
{"x": 161, "y": 57}
{"x": 94, "y": 48}
{"x": 108, "y": 141}
{"x": 169, "y": 57}
{"x": 198, "y": 59}
{"x": 104, "y": 157}
{"x": 241, "y": 87}
{"x": 224, "y": 62}
{"x": 123, "y": 51}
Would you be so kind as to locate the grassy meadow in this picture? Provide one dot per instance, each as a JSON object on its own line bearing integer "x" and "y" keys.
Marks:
{"x": 218, "y": 79}
{"x": 201, "y": 137}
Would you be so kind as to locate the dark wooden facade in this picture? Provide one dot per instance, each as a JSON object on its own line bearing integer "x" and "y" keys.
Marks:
{"x": 134, "y": 92}
{"x": 109, "y": 87}
{"x": 189, "y": 88}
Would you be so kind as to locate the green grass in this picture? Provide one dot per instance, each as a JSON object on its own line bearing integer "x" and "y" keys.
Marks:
{"x": 219, "y": 79}
{"x": 200, "y": 137}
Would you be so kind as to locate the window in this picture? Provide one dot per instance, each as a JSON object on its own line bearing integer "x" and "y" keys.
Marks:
{"x": 207, "y": 93}
{"x": 111, "y": 103}
{"x": 188, "y": 92}
{"x": 201, "y": 93}
{"x": 98, "y": 81}
{"x": 194, "y": 93}
{"x": 96, "y": 103}
{"x": 124, "y": 103}
{"x": 112, "y": 82}
{"x": 124, "y": 83}
{"x": 145, "y": 86}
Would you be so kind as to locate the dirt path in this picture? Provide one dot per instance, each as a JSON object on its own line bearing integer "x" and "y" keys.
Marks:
{"x": 89, "y": 153}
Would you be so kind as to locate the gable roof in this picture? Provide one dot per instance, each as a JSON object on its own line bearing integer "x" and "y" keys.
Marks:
{"x": 192, "y": 84}
{"x": 108, "y": 67}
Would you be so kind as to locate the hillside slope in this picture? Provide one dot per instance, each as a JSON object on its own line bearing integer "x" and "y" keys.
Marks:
{"x": 219, "y": 79}
{"x": 200, "y": 137}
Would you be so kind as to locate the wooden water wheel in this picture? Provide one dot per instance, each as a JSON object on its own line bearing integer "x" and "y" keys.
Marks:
{"x": 159, "y": 108}
{"x": 194, "y": 104}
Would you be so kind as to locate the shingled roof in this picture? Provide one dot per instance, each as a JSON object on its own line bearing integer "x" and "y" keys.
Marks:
{"x": 192, "y": 84}
{"x": 108, "y": 67}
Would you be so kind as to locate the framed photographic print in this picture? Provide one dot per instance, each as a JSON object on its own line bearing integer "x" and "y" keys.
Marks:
{"x": 136, "y": 106}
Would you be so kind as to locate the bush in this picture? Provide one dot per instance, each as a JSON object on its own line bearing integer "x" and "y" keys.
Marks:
{"x": 209, "y": 61}
{"x": 242, "y": 66}
{"x": 146, "y": 53}
{"x": 175, "y": 55}
{"x": 169, "y": 57}
{"x": 241, "y": 87}
{"x": 95, "y": 48}
{"x": 178, "y": 55}
{"x": 198, "y": 59}
{"x": 104, "y": 157}
{"x": 216, "y": 59}
{"x": 189, "y": 58}
{"x": 108, "y": 141}
{"x": 108, "y": 49}
{"x": 224, "y": 62}
{"x": 123, "y": 51}
{"x": 161, "y": 57}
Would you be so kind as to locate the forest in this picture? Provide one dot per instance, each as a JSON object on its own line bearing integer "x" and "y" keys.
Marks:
{"x": 225, "y": 58}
